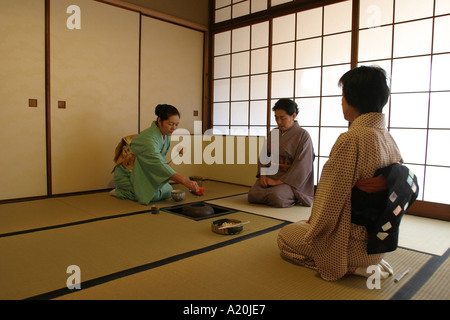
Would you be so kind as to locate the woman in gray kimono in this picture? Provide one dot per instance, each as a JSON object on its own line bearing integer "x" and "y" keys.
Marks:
{"x": 294, "y": 181}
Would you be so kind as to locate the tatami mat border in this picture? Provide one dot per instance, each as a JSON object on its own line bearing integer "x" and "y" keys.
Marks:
{"x": 421, "y": 277}
{"x": 70, "y": 224}
{"x": 74, "y": 223}
{"x": 412, "y": 286}
{"x": 124, "y": 273}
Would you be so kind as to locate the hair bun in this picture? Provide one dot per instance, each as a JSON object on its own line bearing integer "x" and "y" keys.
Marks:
{"x": 164, "y": 111}
{"x": 159, "y": 109}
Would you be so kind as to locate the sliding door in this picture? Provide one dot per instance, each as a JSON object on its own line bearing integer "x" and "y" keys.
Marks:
{"x": 172, "y": 71}
{"x": 93, "y": 86}
{"x": 22, "y": 99}
{"x": 94, "y": 90}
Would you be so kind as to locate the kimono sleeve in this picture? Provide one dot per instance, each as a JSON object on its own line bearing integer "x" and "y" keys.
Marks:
{"x": 330, "y": 221}
{"x": 332, "y": 204}
{"x": 301, "y": 169}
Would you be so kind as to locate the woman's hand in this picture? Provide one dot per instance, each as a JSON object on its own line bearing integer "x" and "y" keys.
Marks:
{"x": 263, "y": 181}
{"x": 266, "y": 182}
{"x": 273, "y": 183}
{"x": 192, "y": 185}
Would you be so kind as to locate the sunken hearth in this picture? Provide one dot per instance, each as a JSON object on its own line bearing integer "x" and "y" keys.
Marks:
{"x": 199, "y": 210}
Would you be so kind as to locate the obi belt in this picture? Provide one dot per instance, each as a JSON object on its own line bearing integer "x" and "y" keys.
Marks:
{"x": 123, "y": 154}
{"x": 379, "y": 203}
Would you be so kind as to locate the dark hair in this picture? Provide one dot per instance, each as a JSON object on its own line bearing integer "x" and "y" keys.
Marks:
{"x": 164, "y": 111}
{"x": 366, "y": 88}
{"x": 287, "y": 105}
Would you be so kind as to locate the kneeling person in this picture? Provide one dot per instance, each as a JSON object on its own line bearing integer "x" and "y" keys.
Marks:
{"x": 294, "y": 181}
{"x": 145, "y": 176}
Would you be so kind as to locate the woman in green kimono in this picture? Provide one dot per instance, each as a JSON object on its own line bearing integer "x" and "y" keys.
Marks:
{"x": 147, "y": 179}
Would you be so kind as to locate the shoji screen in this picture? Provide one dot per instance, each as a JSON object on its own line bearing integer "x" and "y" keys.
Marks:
{"x": 300, "y": 56}
{"x": 409, "y": 39}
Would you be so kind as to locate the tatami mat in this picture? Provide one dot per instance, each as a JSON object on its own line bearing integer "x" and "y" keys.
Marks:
{"x": 36, "y": 262}
{"x": 293, "y": 214}
{"x": 125, "y": 252}
{"x": 249, "y": 270}
{"x": 416, "y": 233}
{"x": 16, "y": 217}
{"x": 28, "y": 215}
{"x": 425, "y": 234}
{"x": 438, "y": 286}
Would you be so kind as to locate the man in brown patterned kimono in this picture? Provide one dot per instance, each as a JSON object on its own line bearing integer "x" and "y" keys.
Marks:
{"x": 294, "y": 181}
{"x": 329, "y": 242}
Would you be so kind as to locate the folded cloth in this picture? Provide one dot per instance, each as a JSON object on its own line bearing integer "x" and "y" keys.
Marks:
{"x": 383, "y": 269}
{"x": 200, "y": 192}
{"x": 123, "y": 154}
